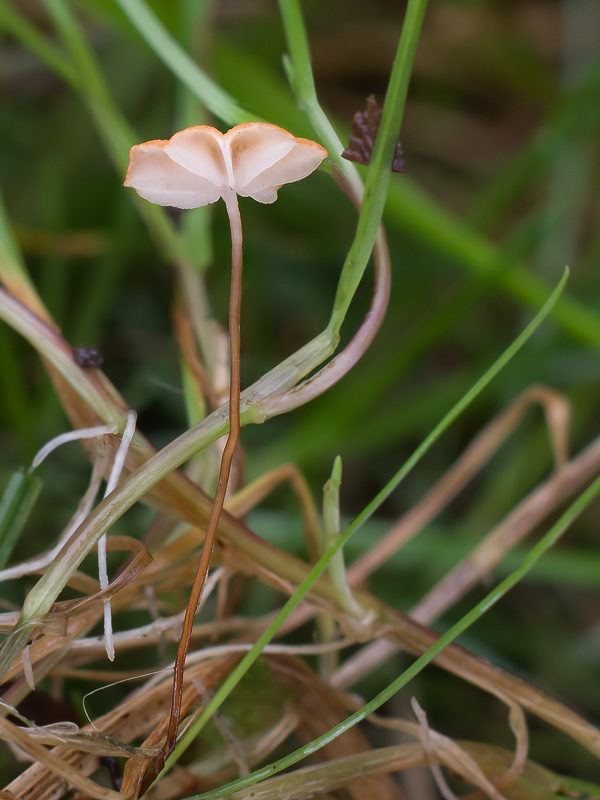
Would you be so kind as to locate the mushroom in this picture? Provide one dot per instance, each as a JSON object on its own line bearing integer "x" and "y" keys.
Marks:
{"x": 199, "y": 165}
{"x": 193, "y": 168}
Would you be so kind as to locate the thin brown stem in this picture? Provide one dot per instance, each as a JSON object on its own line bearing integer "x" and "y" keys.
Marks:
{"x": 235, "y": 310}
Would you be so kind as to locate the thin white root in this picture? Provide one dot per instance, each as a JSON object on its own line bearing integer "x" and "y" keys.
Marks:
{"x": 70, "y": 436}
{"x": 113, "y": 479}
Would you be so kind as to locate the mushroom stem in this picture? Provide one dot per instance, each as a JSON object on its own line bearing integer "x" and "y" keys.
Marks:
{"x": 235, "y": 309}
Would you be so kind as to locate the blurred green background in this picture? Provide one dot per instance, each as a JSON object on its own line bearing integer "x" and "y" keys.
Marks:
{"x": 500, "y": 193}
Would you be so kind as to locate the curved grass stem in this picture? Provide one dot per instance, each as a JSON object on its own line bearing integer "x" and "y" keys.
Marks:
{"x": 378, "y": 177}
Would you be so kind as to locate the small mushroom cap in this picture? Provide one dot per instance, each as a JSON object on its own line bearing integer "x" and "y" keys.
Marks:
{"x": 199, "y": 165}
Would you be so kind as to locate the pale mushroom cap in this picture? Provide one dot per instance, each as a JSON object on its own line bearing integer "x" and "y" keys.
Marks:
{"x": 198, "y": 165}
{"x": 159, "y": 179}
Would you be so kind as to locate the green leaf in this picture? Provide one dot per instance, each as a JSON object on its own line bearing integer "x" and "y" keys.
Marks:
{"x": 17, "y": 501}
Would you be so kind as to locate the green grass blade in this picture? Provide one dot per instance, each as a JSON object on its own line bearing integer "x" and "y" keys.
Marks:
{"x": 391, "y": 120}
{"x": 299, "y": 70}
{"x": 379, "y": 173}
{"x": 265, "y": 91}
{"x": 185, "y": 68}
{"x": 17, "y": 501}
{"x": 19, "y": 27}
{"x": 112, "y": 126}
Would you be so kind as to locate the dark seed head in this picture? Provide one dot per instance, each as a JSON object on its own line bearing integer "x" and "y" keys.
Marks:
{"x": 362, "y": 137}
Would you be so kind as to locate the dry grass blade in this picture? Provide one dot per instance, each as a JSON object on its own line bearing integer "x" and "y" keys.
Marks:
{"x": 140, "y": 561}
{"x": 318, "y": 709}
{"x": 476, "y": 455}
{"x": 216, "y": 767}
{"x": 252, "y": 495}
{"x": 536, "y": 783}
{"x": 442, "y": 749}
{"x": 526, "y": 515}
{"x": 340, "y": 773}
{"x": 416, "y": 638}
{"x": 59, "y": 768}
{"x": 518, "y": 725}
{"x": 141, "y": 715}
{"x": 533, "y": 510}
{"x": 412, "y": 636}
